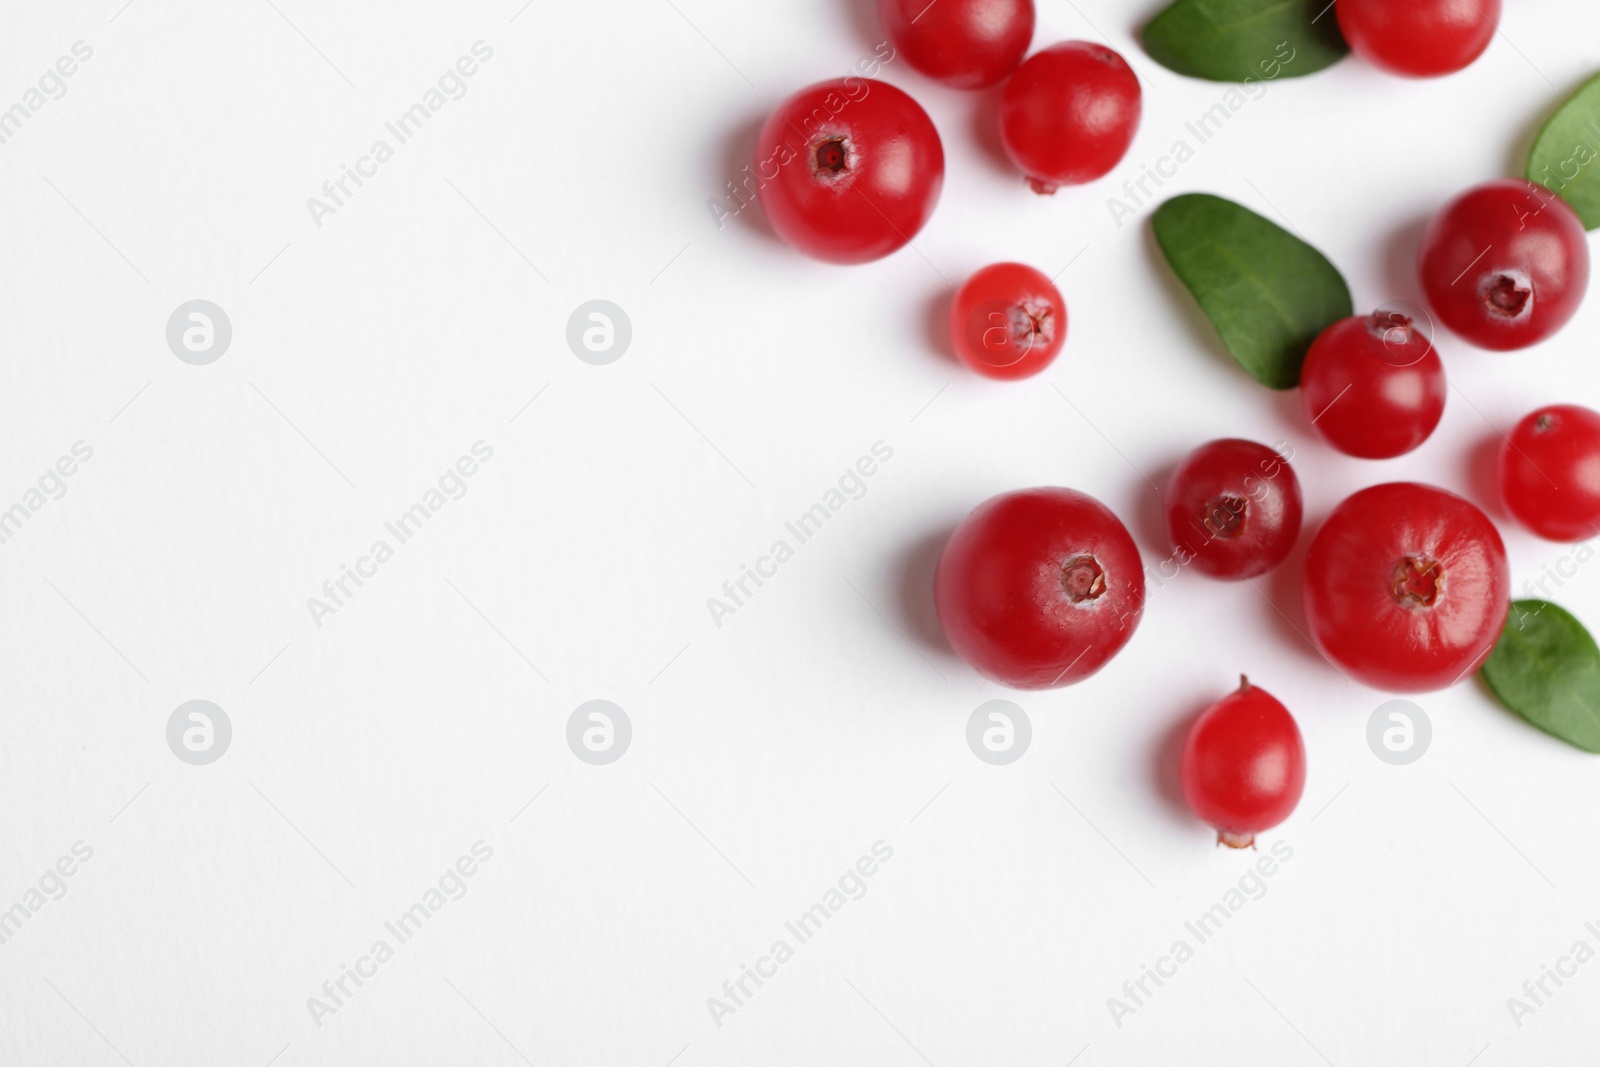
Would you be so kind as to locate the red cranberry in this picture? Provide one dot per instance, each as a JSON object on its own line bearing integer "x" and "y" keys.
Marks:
{"x": 1418, "y": 38}
{"x": 1549, "y": 472}
{"x": 1506, "y": 264}
{"x": 966, "y": 44}
{"x": 1039, "y": 588}
{"x": 1069, "y": 114}
{"x": 1233, "y": 509}
{"x": 850, "y": 169}
{"x": 1373, "y": 386}
{"x": 1407, "y": 587}
{"x": 1008, "y": 321}
{"x": 1244, "y": 765}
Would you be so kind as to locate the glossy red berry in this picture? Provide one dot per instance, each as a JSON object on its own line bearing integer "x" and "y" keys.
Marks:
{"x": 1244, "y": 765}
{"x": 1069, "y": 114}
{"x": 1233, "y": 509}
{"x": 1549, "y": 472}
{"x": 1008, "y": 321}
{"x": 1418, "y": 38}
{"x": 966, "y": 44}
{"x": 1506, "y": 264}
{"x": 1407, "y": 587}
{"x": 1039, "y": 588}
{"x": 1373, "y": 385}
{"x": 850, "y": 169}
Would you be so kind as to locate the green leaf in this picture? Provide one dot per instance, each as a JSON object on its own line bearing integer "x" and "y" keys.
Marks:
{"x": 1246, "y": 40}
{"x": 1268, "y": 293}
{"x": 1566, "y": 152}
{"x": 1546, "y": 668}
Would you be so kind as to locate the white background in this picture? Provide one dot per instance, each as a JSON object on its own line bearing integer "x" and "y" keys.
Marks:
{"x": 827, "y": 714}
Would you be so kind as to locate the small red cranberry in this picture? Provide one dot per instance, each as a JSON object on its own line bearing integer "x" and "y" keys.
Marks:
{"x": 1039, "y": 588}
{"x": 1506, "y": 264}
{"x": 850, "y": 169}
{"x": 1008, "y": 321}
{"x": 1549, "y": 472}
{"x": 1069, "y": 114}
{"x": 966, "y": 44}
{"x": 1233, "y": 509}
{"x": 1373, "y": 386}
{"x": 1244, "y": 765}
{"x": 1418, "y": 38}
{"x": 1407, "y": 587}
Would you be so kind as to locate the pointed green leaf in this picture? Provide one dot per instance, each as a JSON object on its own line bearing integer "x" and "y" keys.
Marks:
{"x": 1268, "y": 293}
{"x": 1546, "y": 668}
{"x": 1566, "y": 153}
{"x": 1245, "y": 40}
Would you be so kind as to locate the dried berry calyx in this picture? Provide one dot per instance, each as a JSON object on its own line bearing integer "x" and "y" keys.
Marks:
{"x": 1083, "y": 579}
{"x": 1418, "y": 581}
{"x": 1505, "y": 296}
{"x": 1225, "y": 515}
{"x": 833, "y": 156}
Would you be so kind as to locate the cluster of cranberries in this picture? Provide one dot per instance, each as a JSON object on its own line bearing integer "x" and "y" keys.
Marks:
{"x": 859, "y": 164}
{"x": 1406, "y": 586}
